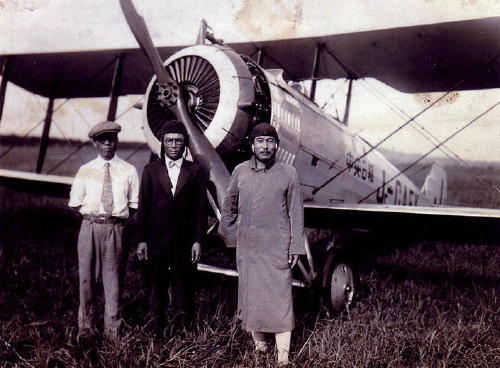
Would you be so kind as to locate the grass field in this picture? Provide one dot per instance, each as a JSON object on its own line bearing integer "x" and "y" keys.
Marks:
{"x": 428, "y": 305}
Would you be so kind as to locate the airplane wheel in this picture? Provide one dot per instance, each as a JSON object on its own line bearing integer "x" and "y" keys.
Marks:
{"x": 342, "y": 285}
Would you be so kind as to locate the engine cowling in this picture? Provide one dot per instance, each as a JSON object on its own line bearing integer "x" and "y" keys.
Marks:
{"x": 222, "y": 96}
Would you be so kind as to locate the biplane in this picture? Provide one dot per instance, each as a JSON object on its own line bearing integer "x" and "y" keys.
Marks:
{"x": 220, "y": 90}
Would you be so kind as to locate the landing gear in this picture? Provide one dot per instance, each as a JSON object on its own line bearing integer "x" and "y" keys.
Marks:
{"x": 342, "y": 286}
{"x": 340, "y": 283}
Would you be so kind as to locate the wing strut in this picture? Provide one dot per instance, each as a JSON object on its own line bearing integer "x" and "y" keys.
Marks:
{"x": 115, "y": 88}
{"x": 314, "y": 72}
{"x": 260, "y": 57}
{"x": 44, "y": 142}
{"x": 348, "y": 103}
{"x": 3, "y": 85}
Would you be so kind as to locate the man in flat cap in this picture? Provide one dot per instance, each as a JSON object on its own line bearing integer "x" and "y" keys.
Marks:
{"x": 171, "y": 223}
{"x": 105, "y": 191}
{"x": 262, "y": 216}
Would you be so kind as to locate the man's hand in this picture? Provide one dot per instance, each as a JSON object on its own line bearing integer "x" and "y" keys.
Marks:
{"x": 293, "y": 259}
{"x": 142, "y": 251}
{"x": 76, "y": 209}
{"x": 195, "y": 252}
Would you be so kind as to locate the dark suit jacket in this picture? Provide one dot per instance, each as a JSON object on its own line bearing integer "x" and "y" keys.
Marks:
{"x": 170, "y": 224}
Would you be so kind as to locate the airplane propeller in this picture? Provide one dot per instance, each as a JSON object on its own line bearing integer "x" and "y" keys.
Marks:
{"x": 174, "y": 97}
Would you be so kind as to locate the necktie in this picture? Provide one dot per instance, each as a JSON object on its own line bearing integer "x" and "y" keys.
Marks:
{"x": 107, "y": 191}
{"x": 172, "y": 164}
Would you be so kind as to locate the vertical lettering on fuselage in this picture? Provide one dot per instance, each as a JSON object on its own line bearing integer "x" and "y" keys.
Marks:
{"x": 287, "y": 116}
{"x": 286, "y": 119}
{"x": 362, "y": 169}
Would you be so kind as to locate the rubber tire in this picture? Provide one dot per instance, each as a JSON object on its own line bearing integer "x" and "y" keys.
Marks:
{"x": 340, "y": 274}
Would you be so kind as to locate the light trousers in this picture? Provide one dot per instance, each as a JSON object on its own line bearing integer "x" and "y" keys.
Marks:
{"x": 99, "y": 255}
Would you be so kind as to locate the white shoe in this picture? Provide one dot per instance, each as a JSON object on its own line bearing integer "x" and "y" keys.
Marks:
{"x": 261, "y": 346}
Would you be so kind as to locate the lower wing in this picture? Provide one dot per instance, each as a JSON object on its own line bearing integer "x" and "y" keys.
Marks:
{"x": 477, "y": 225}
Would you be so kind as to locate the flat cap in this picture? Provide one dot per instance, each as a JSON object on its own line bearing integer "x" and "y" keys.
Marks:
{"x": 264, "y": 129}
{"x": 104, "y": 127}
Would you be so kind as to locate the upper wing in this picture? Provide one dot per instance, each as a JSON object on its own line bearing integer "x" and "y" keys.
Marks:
{"x": 443, "y": 222}
{"x": 459, "y": 55}
{"x": 81, "y": 74}
{"x": 429, "y": 58}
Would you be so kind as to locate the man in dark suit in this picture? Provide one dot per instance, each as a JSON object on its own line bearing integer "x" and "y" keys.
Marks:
{"x": 171, "y": 223}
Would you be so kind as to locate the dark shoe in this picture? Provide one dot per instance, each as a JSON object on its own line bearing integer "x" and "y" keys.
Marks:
{"x": 85, "y": 339}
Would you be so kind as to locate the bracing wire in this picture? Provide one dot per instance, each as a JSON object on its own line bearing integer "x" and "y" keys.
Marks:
{"x": 425, "y": 133}
{"x": 83, "y": 144}
{"x": 30, "y": 130}
{"x": 489, "y": 61}
{"x": 435, "y": 148}
{"x": 93, "y": 77}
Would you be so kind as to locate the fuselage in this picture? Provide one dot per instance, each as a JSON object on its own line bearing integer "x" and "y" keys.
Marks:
{"x": 230, "y": 93}
{"x": 320, "y": 147}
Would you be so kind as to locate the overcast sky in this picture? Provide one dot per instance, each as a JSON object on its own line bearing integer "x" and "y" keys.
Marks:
{"x": 57, "y": 25}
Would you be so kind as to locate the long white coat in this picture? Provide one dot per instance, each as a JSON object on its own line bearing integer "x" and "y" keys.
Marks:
{"x": 263, "y": 216}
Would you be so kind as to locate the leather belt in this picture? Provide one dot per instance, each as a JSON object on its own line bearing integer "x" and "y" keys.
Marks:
{"x": 104, "y": 219}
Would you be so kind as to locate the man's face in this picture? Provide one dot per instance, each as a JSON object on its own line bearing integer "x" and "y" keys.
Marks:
{"x": 264, "y": 148}
{"x": 174, "y": 144}
{"x": 106, "y": 144}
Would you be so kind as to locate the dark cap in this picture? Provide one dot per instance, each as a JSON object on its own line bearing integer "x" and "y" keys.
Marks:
{"x": 264, "y": 129}
{"x": 173, "y": 126}
{"x": 104, "y": 127}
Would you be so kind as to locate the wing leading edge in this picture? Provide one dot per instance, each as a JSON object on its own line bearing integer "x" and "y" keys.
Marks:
{"x": 446, "y": 222}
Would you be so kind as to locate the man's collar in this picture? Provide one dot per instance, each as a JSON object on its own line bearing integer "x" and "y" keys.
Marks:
{"x": 101, "y": 161}
{"x": 266, "y": 166}
{"x": 177, "y": 163}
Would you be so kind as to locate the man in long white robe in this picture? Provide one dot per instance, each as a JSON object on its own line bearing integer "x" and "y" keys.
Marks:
{"x": 263, "y": 217}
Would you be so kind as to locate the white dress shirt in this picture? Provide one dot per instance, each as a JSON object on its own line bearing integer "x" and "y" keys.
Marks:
{"x": 86, "y": 191}
{"x": 173, "y": 168}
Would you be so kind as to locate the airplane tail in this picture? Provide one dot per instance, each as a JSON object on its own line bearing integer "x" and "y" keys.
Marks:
{"x": 435, "y": 185}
